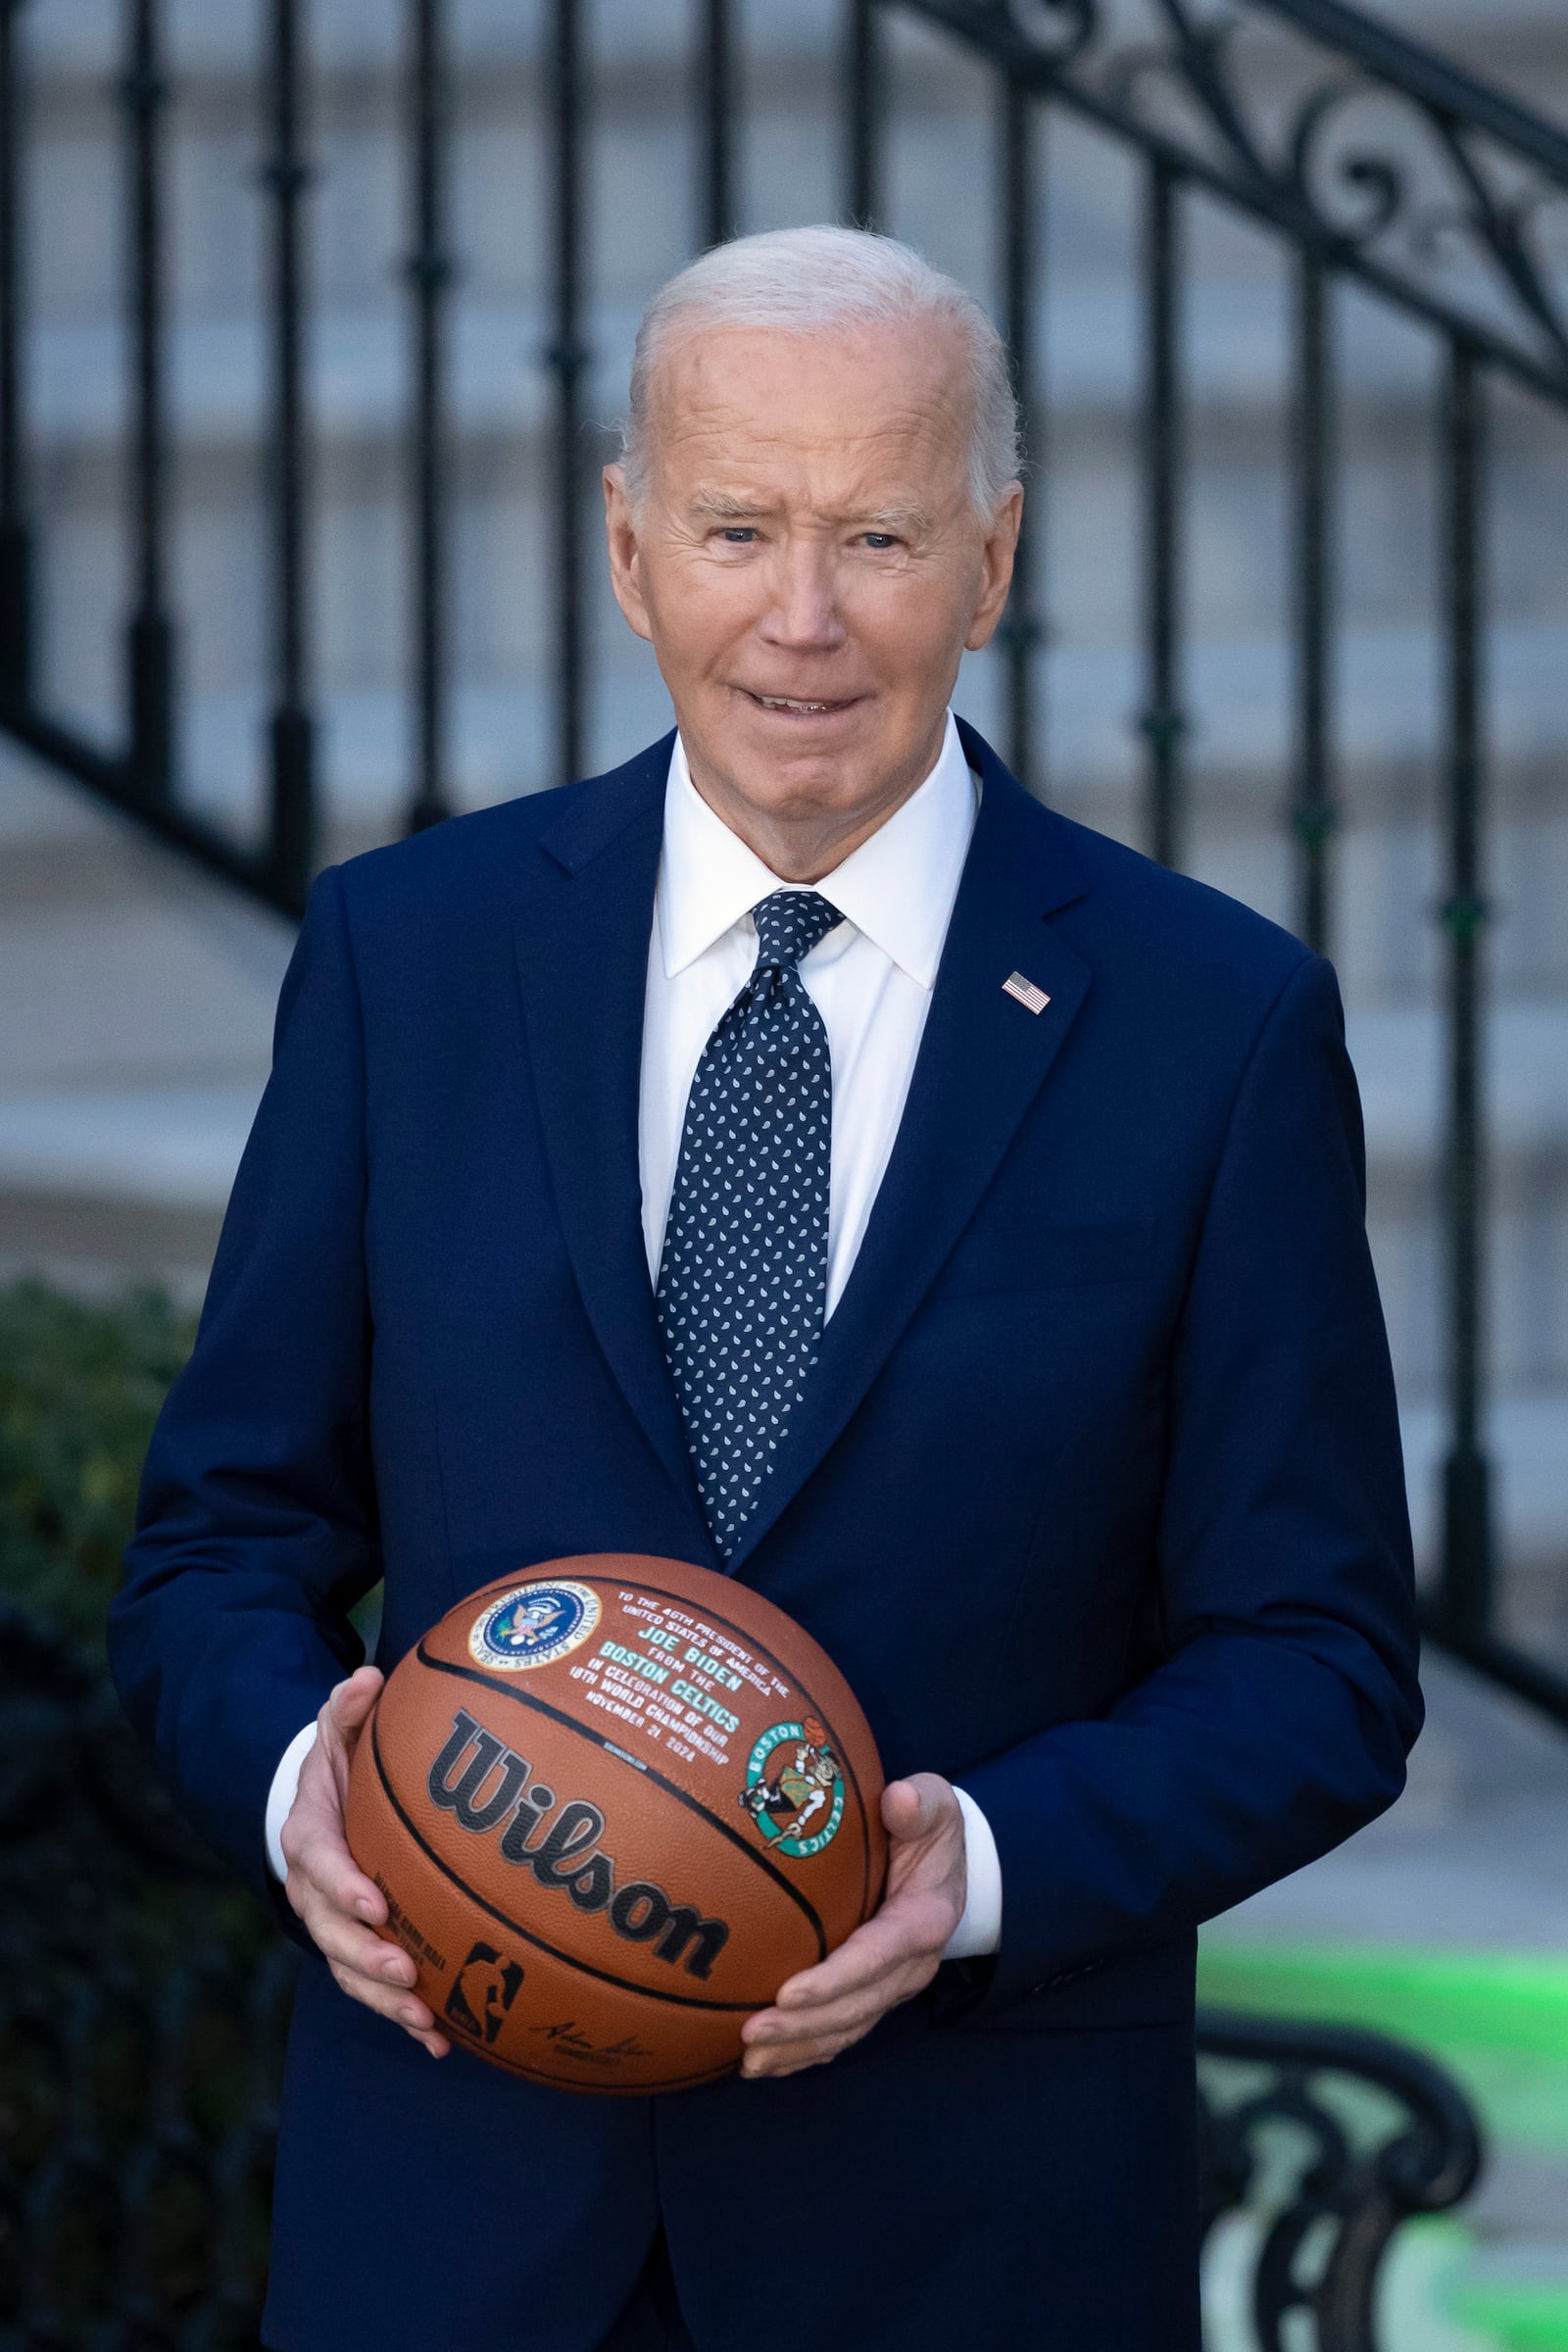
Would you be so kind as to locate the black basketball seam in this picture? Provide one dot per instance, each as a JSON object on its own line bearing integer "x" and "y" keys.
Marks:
{"x": 649, "y": 1771}
{"x": 648, "y": 1992}
{"x": 748, "y": 1640}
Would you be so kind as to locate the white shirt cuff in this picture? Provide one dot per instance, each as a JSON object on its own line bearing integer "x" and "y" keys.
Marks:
{"x": 977, "y": 1934}
{"x": 280, "y": 1797}
{"x": 979, "y": 1931}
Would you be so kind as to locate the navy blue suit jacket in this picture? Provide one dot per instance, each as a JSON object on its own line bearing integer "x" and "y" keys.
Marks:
{"x": 1095, "y": 1495}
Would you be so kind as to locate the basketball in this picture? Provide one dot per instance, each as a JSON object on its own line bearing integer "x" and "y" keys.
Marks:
{"x": 613, "y": 1803}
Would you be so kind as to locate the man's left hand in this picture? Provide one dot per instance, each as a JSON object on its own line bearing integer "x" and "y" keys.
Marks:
{"x": 893, "y": 1957}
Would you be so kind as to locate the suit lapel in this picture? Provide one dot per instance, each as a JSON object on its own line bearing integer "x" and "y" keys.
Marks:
{"x": 982, "y": 1061}
{"x": 582, "y": 958}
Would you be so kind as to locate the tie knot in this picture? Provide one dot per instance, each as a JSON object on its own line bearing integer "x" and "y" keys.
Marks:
{"x": 789, "y": 925}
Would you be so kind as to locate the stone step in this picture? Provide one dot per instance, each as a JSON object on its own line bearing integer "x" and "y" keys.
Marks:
{"x": 136, "y": 1005}
{"x": 98, "y": 1180}
{"x": 1238, "y": 690}
{"x": 1088, "y": 328}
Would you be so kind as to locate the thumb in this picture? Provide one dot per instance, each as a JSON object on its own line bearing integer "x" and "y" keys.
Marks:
{"x": 909, "y": 1810}
{"x": 349, "y": 1704}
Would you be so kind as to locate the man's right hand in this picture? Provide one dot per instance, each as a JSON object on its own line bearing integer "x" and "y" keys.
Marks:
{"x": 338, "y": 1904}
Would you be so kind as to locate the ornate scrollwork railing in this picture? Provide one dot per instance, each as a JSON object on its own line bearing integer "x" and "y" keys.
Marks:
{"x": 1319, "y": 2143}
{"x": 1357, "y": 144}
{"x": 142, "y": 2007}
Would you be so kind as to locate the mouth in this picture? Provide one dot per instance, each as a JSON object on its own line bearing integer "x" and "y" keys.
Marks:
{"x": 795, "y": 706}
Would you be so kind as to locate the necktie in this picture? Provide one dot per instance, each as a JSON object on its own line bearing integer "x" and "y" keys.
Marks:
{"x": 743, "y": 1281}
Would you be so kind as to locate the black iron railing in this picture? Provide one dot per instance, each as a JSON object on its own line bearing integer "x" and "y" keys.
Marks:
{"x": 1443, "y": 223}
{"x": 1320, "y": 2184}
{"x": 143, "y": 2000}
{"x": 285, "y": 177}
{"x": 431, "y": 269}
{"x": 1432, "y": 205}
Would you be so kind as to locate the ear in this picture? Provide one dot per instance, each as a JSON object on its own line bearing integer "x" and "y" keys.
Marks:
{"x": 996, "y": 568}
{"x": 620, "y": 533}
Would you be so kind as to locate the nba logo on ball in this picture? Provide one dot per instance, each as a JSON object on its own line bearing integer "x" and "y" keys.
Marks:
{"x": 533, "y": 1626}
{"x": 602, "y": 1869}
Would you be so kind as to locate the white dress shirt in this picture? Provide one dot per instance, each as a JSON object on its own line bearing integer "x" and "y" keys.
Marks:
{"x": 871, "y": 980}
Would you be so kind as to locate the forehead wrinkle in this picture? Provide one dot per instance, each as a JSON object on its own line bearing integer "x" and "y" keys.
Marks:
{"x": 931, "y": 382}
{"x": 702, "y": 427}
{"x": 730, "y": 429}
{"x": 723, "y": 505}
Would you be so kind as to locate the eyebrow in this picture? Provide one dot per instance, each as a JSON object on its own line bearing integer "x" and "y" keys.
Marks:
{"x": 718, "y": 505}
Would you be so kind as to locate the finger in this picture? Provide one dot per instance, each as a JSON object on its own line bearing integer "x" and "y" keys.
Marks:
{"x": 315, "y": 1849}
{"x": 402, "y": 2009}
{"x": 909, "y": 1927}
{"x": 762, "y": 2065}
{"x": 855, "y": 2014}
{"x": 782, "y": 2067}
{"x": 835, "y": 2025}
{"x": 350, "y": 1700}
{"x": 907, "y": 1811}
{"x": 346, "y": 1944}
{"x": 387, "y": 2000}
{"x": 336, "y": 1880}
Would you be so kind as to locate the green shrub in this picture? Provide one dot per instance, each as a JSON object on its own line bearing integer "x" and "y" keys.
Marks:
{"x": 80, "y": 1386}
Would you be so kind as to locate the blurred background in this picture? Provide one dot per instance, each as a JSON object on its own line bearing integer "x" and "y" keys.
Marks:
{"x": 316, "y": 317}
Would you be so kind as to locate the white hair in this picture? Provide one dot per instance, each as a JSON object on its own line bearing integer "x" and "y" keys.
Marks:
{"x": 800, "y": 278}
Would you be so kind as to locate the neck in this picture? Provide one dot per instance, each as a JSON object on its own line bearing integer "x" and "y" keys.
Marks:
{"x": 803, "y": 845}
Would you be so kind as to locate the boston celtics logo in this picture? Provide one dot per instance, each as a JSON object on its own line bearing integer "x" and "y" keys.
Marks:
{"x": 533, "y": 1626}
{"x": 793, "y": 1788}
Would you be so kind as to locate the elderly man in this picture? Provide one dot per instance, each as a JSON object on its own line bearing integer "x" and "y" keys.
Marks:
{"x": 1088, "y": 1472}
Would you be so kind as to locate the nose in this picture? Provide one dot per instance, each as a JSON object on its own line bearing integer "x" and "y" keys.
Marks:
{"x": 802, "y": 617}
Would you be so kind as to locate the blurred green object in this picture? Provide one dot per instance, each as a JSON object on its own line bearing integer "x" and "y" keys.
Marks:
{"x": 1518, "y": 2317}
{"x": 80, "y": 1385}
{"x": 1499, "y": 2020}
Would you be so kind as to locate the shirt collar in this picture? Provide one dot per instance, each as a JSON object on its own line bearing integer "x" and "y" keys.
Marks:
{"x": 897, "y": 887}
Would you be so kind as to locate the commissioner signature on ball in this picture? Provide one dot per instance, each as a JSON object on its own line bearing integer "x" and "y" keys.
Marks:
{"x": 570, "y": 2038}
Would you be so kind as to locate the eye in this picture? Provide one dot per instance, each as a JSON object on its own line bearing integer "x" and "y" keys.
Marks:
{"x": 877, "y": 541}
{"x": 738, "y": 534}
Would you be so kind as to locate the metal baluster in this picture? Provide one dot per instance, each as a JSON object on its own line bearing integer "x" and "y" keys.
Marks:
{"x": 1163, "y": 723}
{"x": 1020, "y": 634}
{"x": 1467, "y": 1520}
{"x": 150, "y": 638}
{"x": 568, "y": 359}
{"x": 1314, "y": 814}
{"x": 862, "y": 83}
{"x": 286, "y": 175}
{"x": 16, "y": 547}
{"x": 717, "y": 83}
{"x": 431, "y": 272}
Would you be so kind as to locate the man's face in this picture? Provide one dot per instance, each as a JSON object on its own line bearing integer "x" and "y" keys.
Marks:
{"x": 809, "y": 567}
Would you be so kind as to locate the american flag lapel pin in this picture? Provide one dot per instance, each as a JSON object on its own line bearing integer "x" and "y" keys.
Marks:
{"x": 1024, "y": 991}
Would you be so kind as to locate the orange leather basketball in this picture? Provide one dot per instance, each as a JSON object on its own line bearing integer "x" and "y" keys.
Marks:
{"x": 613, "y": 1803}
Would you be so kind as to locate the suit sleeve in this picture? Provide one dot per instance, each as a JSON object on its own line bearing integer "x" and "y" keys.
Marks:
{"x": 255, "y": 1526}
{"x": 1286, "y": 1699}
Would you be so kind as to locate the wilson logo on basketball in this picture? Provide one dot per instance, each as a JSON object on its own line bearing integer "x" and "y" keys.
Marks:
{"x": 710, "y": 1826}
{"x": 486, "y": 1786}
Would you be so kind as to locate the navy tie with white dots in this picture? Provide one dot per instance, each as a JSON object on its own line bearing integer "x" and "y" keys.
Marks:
{"x": 743, "y": 1282}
